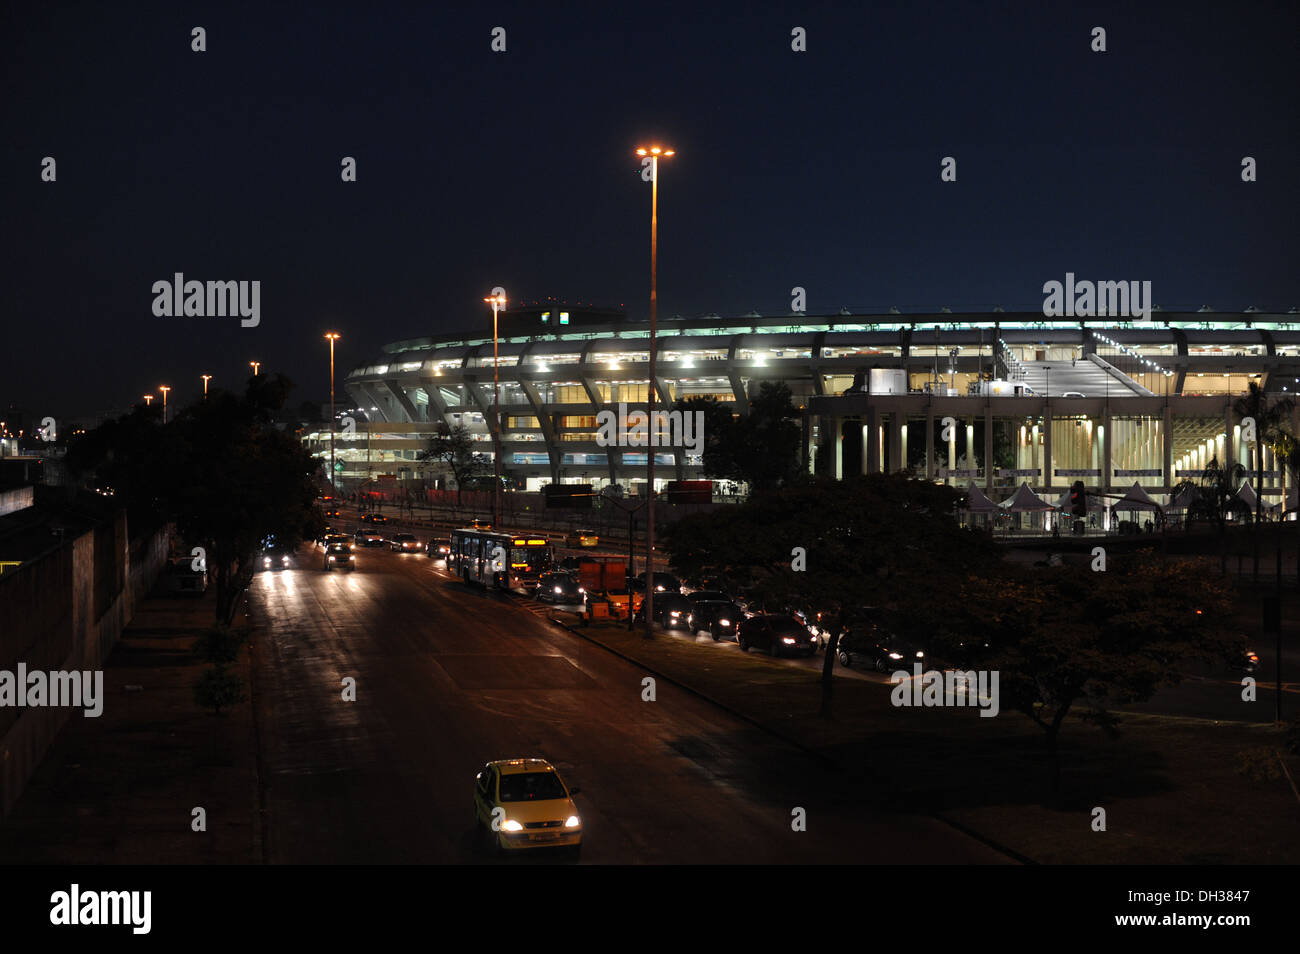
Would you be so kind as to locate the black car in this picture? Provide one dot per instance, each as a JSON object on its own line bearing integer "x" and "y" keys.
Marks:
{"x": 777, "y": 634}
{"x": 276, "y": 557}
{"x": 672, "y": 611}
{"x": 558, "y": 586}
{"x": 438, "y": 548}
{"x": 879, "y": 649}
{"x": 663, "y": 582}
{"x": 403, "y": 543}
{"x": 715, "y": 613}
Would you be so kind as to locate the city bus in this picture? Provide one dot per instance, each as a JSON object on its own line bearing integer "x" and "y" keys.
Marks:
{"x": 521, "y": 560}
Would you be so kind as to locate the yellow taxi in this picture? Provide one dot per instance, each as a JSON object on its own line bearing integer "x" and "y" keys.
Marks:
{"x": 523, "y": 803}
{"x": 582, "y": 538}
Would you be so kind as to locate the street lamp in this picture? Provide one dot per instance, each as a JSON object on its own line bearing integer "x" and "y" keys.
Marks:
{"x": 331, "y": 337}
{"x": 653, "y": 153}
{"x": 206, "y": 378}
{"x": 497, "y": 301}
{"x": 164, "y": 389}
{"x": 148, "y": 400}
{"x": 254, "y": 365}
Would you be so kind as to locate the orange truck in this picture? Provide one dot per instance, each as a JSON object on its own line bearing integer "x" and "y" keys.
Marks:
{"x": 608, "y": 597}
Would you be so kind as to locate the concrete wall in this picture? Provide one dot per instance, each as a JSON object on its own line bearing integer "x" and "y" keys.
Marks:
{"x": 65, "y": 611}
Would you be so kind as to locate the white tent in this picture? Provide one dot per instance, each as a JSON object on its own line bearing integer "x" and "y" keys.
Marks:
{"x": 1136, "y": 499}
{"x": 1184, "y": 498}
{"x": 1025, "y": 501}
{"x": 1248, "y": 496}
{"x": 977, "y": 502}
{"x": 1292, "y": 502}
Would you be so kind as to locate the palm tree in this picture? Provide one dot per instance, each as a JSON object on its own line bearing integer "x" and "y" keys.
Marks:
{"x": 1272, "y": 429}
{"x": 1216, "y": 499}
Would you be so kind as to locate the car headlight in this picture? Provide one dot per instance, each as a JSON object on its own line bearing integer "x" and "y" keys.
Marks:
{"x": 895, "y": 655}
{"x": 572, "y": 822}
{"x": 559, "y": 589}
{"x": 724, "y": 622}
{"x": 788, "y": 640}
{"x": 285, "y": 561}
{"x": 658, "y": 589}
{"x": 511, "y": 825}
{"x": 674, "y": 612}
{"x": 581, "y": 590}
{"x": 919, "y": 654}
{"x": 266, "y": 561}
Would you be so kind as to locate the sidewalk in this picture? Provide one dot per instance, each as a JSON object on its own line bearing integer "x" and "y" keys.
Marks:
{"x": 120, "y": 789}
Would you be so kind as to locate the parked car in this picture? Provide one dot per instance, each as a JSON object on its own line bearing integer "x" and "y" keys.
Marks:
{"x": 776, "y": 634}
{"x": 339, "y": 555}
{"x": 438, "y": 548}
{"x": 559, "y": 586}
{"x": 404, "y": 543}
{"x": 582, "y": 538}
{"x": 672, "y": 611}
{"x": 714, "y": 613}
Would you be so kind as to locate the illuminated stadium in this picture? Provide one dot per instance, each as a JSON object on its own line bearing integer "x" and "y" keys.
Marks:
{"x": 1045, "y": 401}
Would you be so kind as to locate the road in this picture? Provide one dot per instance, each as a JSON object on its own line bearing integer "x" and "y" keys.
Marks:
{"x": 450, "y": 676}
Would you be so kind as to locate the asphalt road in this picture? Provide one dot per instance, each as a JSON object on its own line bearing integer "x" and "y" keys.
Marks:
{"x": 450, "y": 676}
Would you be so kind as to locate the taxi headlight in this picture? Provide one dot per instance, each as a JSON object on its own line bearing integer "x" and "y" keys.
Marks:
{"x": 788, "y": 640}
{"x": 572, "y": 822}
{"x": 511, "y": 825}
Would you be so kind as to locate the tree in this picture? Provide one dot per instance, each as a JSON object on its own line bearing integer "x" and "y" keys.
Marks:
{"x": 884, "y": 540}
{"x": 1273, "y": 430}
{"x": 454, "y": 447}
{"x": 1059, "y": 638}
{"x": 760, "y": 448}
{"x": 221, "y": 469}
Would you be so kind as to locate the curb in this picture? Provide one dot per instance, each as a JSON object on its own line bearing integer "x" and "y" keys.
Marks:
{"x": 818, "y": 756}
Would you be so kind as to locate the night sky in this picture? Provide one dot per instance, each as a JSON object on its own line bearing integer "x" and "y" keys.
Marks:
{"x": 476, "y": 168}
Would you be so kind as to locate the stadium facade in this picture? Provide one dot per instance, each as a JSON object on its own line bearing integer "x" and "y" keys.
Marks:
{"x": 994, "y": 398}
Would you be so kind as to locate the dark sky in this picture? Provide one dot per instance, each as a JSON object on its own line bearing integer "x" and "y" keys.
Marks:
{"x": 475, "y": 168}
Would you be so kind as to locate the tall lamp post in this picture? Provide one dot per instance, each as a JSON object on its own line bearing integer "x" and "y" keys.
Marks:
{"x": 164, "y": 389}
{"x": 497, "y": 301}
{"x": 148, "y": 400}
{"x": 206, "y": 378}
{"x": 653, "y": 153}
{"x": 331, "y": 337}
{"x": 255, "y": 365}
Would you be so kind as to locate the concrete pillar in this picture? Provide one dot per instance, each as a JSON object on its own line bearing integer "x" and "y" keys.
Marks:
{"x": 1166, "y": 432}
{"x": 1047, "y": 449}
{"x": 988, "y": 449}
{"x": 837, "y": 448}
{"x": 929, "y": 443}
{"x": 896, "y": 459}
